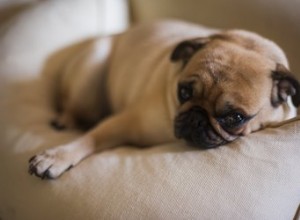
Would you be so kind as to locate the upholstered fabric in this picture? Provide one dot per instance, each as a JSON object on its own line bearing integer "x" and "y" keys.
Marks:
{"x": 255, "y": 177}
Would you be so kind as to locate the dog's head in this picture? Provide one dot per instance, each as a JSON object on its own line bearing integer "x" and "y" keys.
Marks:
{"x": 231, "y": 84}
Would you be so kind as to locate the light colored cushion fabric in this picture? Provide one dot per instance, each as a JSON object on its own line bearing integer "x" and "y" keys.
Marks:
{"x": 256, "y": 177}
{"x": 53, "y": 24}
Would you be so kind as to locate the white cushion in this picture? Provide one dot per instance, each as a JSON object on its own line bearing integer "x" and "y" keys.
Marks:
{"x": 255, "y": 177}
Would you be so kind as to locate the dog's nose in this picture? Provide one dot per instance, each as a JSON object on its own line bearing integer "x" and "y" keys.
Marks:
{"x": 191, "y": 120}
{"x": 198, "y": 117}
{"x": 194, "y": 126}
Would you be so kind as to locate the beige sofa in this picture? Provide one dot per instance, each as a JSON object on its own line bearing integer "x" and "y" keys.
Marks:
{"x": 255, "y": 177}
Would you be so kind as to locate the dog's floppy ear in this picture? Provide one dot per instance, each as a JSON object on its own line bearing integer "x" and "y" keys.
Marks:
{"x": 186, "y": 49}
{"x": 285, "y": 84}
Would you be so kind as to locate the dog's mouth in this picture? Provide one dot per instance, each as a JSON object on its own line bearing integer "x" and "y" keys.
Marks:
{"x": 194, "y": 127}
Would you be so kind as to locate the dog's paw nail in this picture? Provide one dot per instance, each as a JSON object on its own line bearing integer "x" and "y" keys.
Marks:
{"x": 32, "y": 158}
{"x": 47, "y": 174}
{"x": 32, "y": 169}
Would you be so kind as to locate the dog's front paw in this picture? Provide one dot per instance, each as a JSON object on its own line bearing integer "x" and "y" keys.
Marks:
{"x": 50, "y": 164}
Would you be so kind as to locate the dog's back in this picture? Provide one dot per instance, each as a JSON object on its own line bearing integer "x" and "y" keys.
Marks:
{"x": 145, "y": 50}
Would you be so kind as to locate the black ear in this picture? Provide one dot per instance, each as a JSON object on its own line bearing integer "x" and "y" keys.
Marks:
{"x": 285, "y": 84}
{"x": 186, "y": 49}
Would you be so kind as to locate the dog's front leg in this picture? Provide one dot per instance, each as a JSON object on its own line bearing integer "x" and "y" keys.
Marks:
{"x": 111, "y": 132}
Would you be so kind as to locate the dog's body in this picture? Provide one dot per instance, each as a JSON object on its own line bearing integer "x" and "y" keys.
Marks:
{"x": 166, "y": 80}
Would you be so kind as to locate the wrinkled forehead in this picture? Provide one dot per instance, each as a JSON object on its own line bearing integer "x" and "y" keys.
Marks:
{"x": 226, "y": 62}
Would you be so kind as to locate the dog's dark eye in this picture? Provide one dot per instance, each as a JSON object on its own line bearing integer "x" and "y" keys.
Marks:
{"x": 232, "y": 120}
{"x": 185, "y": 92}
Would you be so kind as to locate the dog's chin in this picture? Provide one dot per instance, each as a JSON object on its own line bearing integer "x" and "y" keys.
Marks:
{"x": 194, "y": 127}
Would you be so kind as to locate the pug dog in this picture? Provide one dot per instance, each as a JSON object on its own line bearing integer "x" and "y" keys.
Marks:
{"x": 168, "y": 80}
